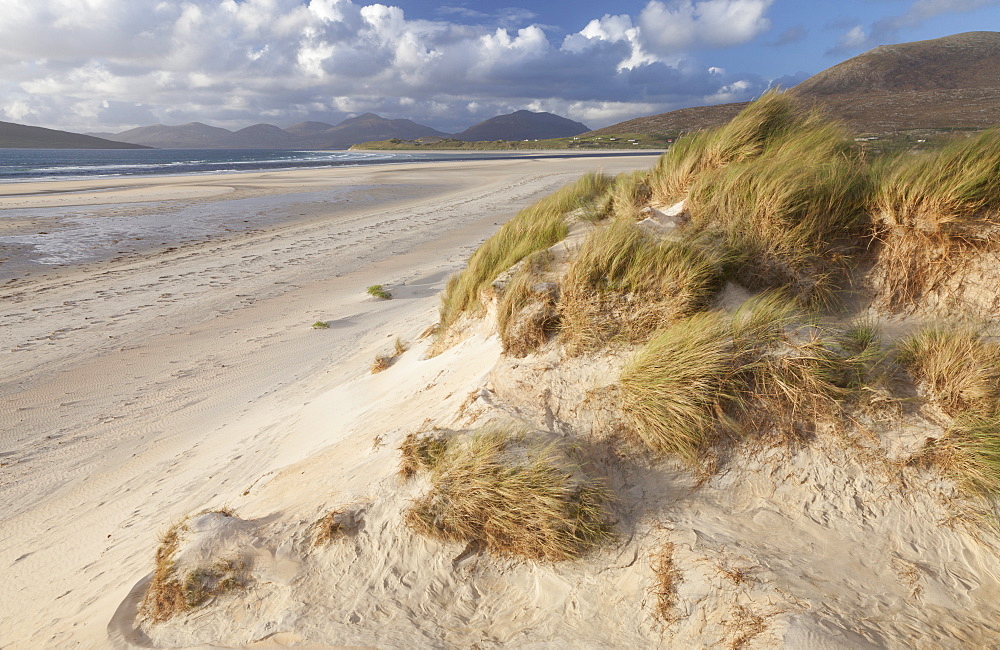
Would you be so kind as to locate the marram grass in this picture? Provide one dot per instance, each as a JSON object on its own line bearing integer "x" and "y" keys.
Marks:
{"x": 932, "y": 212}
{"x": 515, "y": 496}
{"x": 533, "y": 229}
{"x": 624, "y": 284}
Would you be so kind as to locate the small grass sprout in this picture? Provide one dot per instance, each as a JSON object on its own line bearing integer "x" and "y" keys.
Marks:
{"x": 321, "y": 325}
{"x": 377, "y": 291}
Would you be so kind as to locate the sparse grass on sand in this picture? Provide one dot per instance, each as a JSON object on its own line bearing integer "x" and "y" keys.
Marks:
{"x": 378, "y": 291}
{"x": 169, "y": 593}
{"x": 665, "y": 580}
{"x": 532, "y": 229}
{"x": 933, "y": 212}
{"x": 421, "y": 451}
{"x": 321, "y": 325}
{"x": 513, "y": 494}
{"x": 625, "y": 283}
{"x": 958, "y": 369}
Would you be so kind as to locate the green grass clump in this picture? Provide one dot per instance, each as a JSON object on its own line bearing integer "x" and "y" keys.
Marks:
{"x": 625, "y": 283}
{"x": 932, "y": 210}
{"x": 533, "y": 229}
{"x": 743, "y": 138}
{"x": 421, "y": 452}
{"x": 321, "y": 325}
{"x": 717, "y": 375}
{"x": 629, "y": 194}
{"x": 377, "y": 291}
{"x": 515, "y": 496}
{"x": 783, "y": 192}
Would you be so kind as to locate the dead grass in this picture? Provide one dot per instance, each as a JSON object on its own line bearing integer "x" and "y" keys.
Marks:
{"x": 334, "y": 525}
{"x": 624, "y": 284}
{"x": 525, "y": 316}
{"x": 666, "y": 577}
{"x": 170, "y": 594}
{"x": 514, "y": 495}
{"x": 421, "y": 451}
{"x": 933, "y": 212}
{"x": 381, "y": 363}
{"x": 533, "y": 229}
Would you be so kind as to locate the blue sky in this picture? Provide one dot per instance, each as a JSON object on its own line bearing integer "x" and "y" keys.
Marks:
{"x": 107, "y": 65}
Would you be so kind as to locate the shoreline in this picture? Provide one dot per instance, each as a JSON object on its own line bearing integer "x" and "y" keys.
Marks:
{"x": 141, "y": 389}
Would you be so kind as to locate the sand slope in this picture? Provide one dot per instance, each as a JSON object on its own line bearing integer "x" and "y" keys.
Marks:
{"x": 138, "y": 391}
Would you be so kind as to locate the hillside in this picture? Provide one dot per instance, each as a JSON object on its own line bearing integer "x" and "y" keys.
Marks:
{"x": 522, "y": 125}
{"x": 950, "y": 82}
{"x": 20, "y": 136}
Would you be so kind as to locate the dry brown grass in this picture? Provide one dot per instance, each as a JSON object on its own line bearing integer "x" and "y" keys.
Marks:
{"x": 334, "y": 525}
{"x": 666, "y": 577}
{"x": 170, "y": 594}
{"x": 381, "y": 363}
{"x": 421, "y": 451}
{"x": 625, "y": 283}
{"x": 515, "y": 496}
{"x": 526, "y": 317}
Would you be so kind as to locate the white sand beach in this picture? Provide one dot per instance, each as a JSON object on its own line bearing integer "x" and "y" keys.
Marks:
{"x": 138, "y": 390}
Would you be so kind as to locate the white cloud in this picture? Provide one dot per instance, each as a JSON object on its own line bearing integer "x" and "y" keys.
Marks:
{"x": 680, "y": 25}
{"x": 107, "y": 64}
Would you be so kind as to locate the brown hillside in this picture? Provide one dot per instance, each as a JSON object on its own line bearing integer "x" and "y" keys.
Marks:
{"x": 937, "y": 84}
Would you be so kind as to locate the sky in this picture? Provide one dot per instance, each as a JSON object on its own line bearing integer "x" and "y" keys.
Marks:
{"x": 110, "y": 65}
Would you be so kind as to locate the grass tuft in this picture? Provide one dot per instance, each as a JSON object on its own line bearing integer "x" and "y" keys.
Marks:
{"x": 957, "y": 367}
{"x": 931, "y": 211}
{"x": 514, "y": 496}
{"x": 377, "y": 291}
{"x": 421, "y": 452}
{"x": 525, "y": 315}
{"x": 783, "y": 192}
{"x": 624, "y": 284}
{"x": 170, "y": 594}
{"x": 533, "y": 229}
{"x": 716, "y": 375}
{"x": 970, "y": 451}
{"x": 321, "y": 325}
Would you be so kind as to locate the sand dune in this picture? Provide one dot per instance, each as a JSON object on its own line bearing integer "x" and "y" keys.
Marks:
{"x": 137, "y": 391}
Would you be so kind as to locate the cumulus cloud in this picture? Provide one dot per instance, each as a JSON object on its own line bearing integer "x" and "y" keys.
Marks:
{"x": 114, "y": 64}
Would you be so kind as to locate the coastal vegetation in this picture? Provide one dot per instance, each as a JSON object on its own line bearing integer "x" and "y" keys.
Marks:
{"x": 377, "y": 291}
{"x": 513, "y": 493}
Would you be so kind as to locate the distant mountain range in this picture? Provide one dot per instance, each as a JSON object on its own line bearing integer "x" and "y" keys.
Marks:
{"x": 19, "y": 136}
{"x": 363, "y": 128}
{"x": 950, "y": 82}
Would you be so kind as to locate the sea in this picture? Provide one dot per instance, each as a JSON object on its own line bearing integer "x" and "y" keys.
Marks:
{"x": 21, "y": 165}
{"x": 33, "y": 239}
{"x": 69, "y": 164}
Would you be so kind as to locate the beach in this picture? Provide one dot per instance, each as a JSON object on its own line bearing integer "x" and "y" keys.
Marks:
{"x": 145, "y": 381}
